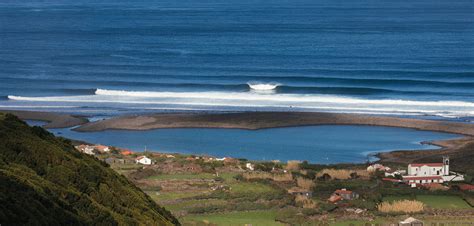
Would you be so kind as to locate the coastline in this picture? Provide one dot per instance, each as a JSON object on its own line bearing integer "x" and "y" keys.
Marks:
{"x": 54, "y": 120}
{"x": 264, "y": 120}
{"x": 458, "y": 148}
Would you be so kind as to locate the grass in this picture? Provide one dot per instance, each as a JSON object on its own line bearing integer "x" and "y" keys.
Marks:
{"x": 443, "y": 202}
{"x": 182, "y": 176}
{"x": 357, "y": 222}
{"x": 436, "y": 201}
{"x": 191, "y": 176}
{"x": 191, "y": 203}
{"x": 166, "y": 196}
{"x": 248, "y": 187}
{"x": 256, "y": 218}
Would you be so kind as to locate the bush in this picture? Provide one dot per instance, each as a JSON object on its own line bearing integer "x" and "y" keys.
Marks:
{"x": 304, "y": 183}
{"x": 402, "y": 206}
{"x": 293, "y": 165}
{"x": 327, "y": 207}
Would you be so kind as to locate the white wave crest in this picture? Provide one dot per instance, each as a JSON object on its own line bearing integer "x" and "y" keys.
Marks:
{"x": 251, "y": 100}
{"x": 263, "y": 86}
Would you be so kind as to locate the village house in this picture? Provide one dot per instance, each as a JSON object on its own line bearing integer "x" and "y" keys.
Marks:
{"x": 143, "y": 160}
{"x": 126, "y": 152}
{"x": 377, "y": 167}
{"x": 250, "y": 166}
{"x": 425, "y": 173}
{"x": 102, "y": 148}
{"x": 86, "y": 149}
{"x": 300, "y": 191}
{"x": 343, "y": 194}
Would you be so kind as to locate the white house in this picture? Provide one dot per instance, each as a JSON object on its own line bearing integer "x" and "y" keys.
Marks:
{"x": 143, "y": 160}
{"x": 426, "y": 173}
{"x": 102, "y": 148}
{"x": 377, "y": 167}
{"x": 86, "y": 149}
{"x": 250, "y": 166}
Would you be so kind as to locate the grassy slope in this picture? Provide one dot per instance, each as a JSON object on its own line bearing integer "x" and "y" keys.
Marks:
{"x": 43, "y": 180}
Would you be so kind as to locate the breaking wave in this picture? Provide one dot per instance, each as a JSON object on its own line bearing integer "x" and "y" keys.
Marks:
{"x": 263, "y": 86}
{"x": 259, "y": 101}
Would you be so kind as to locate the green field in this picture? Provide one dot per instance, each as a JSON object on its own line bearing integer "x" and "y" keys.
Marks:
{"x": 182, "y": 176}
{"x": 436, "y": 201}
{"x": 166, "y": 196}
{"x": 358, "y": 222}
{"x": 256, "y": 218}
{"x": 191, "y": 176}
{"x": 249, "y": 187}
{"x": 192, "y": 203}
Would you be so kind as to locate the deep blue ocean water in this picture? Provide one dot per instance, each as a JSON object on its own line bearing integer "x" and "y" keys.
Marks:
{"x": 316, "y": 144}
{"x": 114, "y": 56}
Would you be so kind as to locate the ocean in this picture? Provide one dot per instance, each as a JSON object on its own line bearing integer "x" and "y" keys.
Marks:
{"x": 114, "y": 56}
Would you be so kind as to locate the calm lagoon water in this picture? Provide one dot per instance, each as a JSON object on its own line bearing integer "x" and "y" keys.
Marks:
{"x": 317, "y": 144}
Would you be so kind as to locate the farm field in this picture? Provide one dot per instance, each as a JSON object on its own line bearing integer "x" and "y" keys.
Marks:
{"x": 205, "y": 192}
{"x": 260, "y": 218}
{"x": 436, "y": 201}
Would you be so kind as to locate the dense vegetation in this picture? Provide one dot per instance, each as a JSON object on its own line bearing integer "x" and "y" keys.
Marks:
{"x": 43, "y": 180}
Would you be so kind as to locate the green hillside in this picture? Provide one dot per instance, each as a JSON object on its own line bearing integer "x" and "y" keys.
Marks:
{"x": 43, "y": 180}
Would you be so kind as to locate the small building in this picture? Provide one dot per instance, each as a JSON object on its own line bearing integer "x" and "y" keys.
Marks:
{"x": 300, "y": 191}
{"x": 86, "y": 149}
{"x": 126, "y": 152}
{"x": 102, "y": 148}
{"x": 250, "y": 166}
{"x": 343, "y": 194}
{"x": 377, "y": 167}
{"x": 143, "y": 160}
{"x": 411, "y": 222}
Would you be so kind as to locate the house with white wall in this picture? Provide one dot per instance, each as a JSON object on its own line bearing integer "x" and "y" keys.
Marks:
{"x": 426, "y": 173}
{"x": 143, "y": 160}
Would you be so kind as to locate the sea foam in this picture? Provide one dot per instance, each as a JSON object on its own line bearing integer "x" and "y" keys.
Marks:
{"x": 307, "y": 102}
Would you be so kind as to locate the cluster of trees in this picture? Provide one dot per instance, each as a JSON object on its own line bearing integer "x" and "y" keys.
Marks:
{"x": 43, "y": 180}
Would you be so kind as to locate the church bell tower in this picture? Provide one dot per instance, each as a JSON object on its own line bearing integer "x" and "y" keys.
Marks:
{"x": 446, "y": 165}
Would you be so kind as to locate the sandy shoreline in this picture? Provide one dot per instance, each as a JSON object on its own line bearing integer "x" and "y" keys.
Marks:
{"x": 459, "y": 148}
{"x": 54, "y": 120}
{"x": 262, "y": 120}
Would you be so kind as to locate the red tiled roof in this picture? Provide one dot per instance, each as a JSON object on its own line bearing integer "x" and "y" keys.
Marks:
{"x": 421, "y": 178}
{"x": 335, "y": 198}
{"x": 127, "y": 152}
{"x": 466, "y": 187}
{"x": 340, "y": 191}
{"x": 140, "y": 157}
{"x": 426, "y": 164}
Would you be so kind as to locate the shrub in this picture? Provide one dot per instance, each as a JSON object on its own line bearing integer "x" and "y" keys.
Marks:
{"x": 305, "y": 202}
{"x": 293, "y": 165}
{"x": 304, "y": 183}
{"x": 402, "y": 206}
{"x": 328, "y": 207}
{"x": 270, "y": 176}
{"x": 340, "y": 174}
